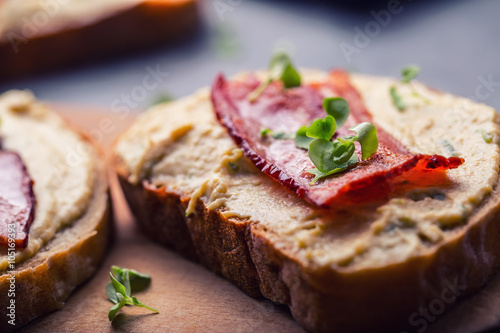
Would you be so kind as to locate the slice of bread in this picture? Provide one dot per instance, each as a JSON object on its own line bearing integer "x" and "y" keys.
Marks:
{"x": 365, "y": 269}
{"x": 39, "y": 36}
{"x": 69, "y": 236}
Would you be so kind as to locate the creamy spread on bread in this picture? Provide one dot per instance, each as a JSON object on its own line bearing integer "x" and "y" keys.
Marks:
{"x": 29, "y": 16}
{"x": 59, "y": 161}
{"x": 181, "y": 146}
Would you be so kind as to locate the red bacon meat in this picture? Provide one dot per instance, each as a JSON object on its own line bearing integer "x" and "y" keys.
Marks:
{"x": 286, "y": 111}
{"x": 17, "y": 201}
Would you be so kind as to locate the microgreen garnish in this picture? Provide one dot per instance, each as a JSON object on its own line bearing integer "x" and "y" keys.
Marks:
{"x": 322, "y": 128}
{"x": 397, "y": 99}
{"x": 330, "y": 157}
{"x": 280, "y": 68}
{"x": 408, "y": 73}
{"x": 163, "y": 98}
{"x": 301, "y": 139}
{"x": 367, "y": 138}
{"x": 487, "y": 137}
{"x": 232, "y": 166}
{"x": 449, "y": 147}
{"x": 338, "y": 108}
{"x": 125, "y": 281}
{"x": 264, "y": 132}
{"x": 320, "y": 174}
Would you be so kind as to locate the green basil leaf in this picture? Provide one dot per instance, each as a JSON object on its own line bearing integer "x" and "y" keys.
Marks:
{"x": 367, "y": 138}
{"x": 321, "y": 154}
{"x": 322, "y": 128}
{"x": 136, "y": 281}
{"x": 409, "y": 73}
{"x": 338, "y": 108}
{"x": 122, "y": 275}
{"x": 126, "y": 281}
{"x": 119, "y": 288}
{"x": 117, "y": 270}
{"x": 115, "y": 308}
{"x": 139, "y": 281}
{"x": 397, "y": 100}
{"x": 110, "y": 291}
{"x": 290, "y": 77}
{"x": 301, "y": 139}
{"x": 343, "y": 152}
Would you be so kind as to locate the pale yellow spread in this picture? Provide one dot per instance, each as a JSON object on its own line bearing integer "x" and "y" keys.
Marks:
{"x": 181, "y": 146}
{"x": 61, "y": 164}
{"x": 28, "y": 17}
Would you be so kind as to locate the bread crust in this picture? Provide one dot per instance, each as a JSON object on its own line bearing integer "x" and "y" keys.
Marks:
{"x": 132, "y": 28}
{"x": 321, "y": 300}
{"x": 44, "y": 281}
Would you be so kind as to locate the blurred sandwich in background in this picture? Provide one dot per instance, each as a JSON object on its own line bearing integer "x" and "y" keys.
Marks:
{"x": 41, "y": 35}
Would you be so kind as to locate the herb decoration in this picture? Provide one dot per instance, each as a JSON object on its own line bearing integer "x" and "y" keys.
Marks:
{"x": 265, "y": 132}
{"x": 408, "y": 73}
{"x": 331, "y": 157}
{"x": 123, "y": 283}
{"x": 280, "y": 68}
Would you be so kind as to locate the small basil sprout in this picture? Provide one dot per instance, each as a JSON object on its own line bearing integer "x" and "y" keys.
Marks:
{"x": 123, "y": 283}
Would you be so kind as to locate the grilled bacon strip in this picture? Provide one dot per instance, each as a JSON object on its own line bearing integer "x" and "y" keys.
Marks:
{"x": 17, "y": 201}
{"x": 288, "y": 110}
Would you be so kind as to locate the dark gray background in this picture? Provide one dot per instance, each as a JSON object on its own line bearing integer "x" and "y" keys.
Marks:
{"x": 456, "y": 43}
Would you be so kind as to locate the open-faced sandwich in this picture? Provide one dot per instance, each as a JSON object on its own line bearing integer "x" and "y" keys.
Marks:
{"x": 54, "y": 209}
{"x": 363, "y": 203}
{"x": 41, "y": 35}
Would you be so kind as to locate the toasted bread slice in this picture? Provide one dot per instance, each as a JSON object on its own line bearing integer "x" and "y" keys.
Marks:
{"x": 69, "y": 236}
{"x": 350, "y": 270}
{"x": 38, "y": 36}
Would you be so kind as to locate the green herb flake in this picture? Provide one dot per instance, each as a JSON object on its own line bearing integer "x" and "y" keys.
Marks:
{"x": 397, "y": 99}
{"x": 265, "y": 132}
{"x": 123, "y": 283}
{"x": 232, "y": 166}
{"x": 449, "y": 147}
{"x": 162, "y": 98}
{"x": 487, "y": 137}
{"x": 408, "y": 73}
{"x": 322, "y": 128}
{"x": 367, "y": 138}
{"x": 280, "y": 68}
{"x": 338, "y": 108}
{"x": 301, "y": 139}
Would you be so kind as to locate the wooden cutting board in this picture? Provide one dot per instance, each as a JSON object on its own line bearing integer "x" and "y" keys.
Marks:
{"x": 189, "y": 297}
